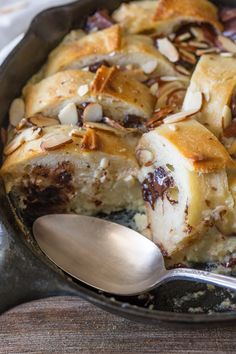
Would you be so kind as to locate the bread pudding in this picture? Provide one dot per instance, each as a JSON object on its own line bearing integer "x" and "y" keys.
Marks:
{"x": 136, "y": 111}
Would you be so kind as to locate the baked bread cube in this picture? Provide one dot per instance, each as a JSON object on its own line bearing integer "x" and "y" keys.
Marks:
{"x": 184, "y": 183}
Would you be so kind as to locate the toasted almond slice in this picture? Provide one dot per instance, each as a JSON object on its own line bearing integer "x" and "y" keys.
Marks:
{"x": 182, "y": 70}
{"x": 193, "y": 101}
{"x": 55, "y": 140}
{"x": 226, "y": 116}
{"x": 168, "y": 49}
{"x": 227, "y": 44}
{"x": 68, "y": 114}
{"x": 83, "y": 90}
{"x": 105, "y": 127}
{"x": 172, "y": 36}
{"x": 23, "y": 123}
{"x": 149, "y": 67}
{"x": 174, "y": 78}
{"x": 154, "y": 89}
{"x": 187, "y": 56}
{"x": 183, "y": 37}
{"x": 200, "y": 52}
{"x": 198, "y": 44}
{"x": 17, "y": 111}
{"x": 226, "y": 55}
{"x": 197, "y": 33}
{"x": 26, "y": 135}
{"x": 41, "y": 121}
{"x": 112, "y": 123}
{"x": 179, "y": 117}
{"x": 158, "y": 117}
{"x": 93, "y": 113}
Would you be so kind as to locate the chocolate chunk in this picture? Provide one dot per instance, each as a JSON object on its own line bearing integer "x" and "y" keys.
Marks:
{"x": 94, "y": 67}
{"x": 99, "y": 21}
{"x": 132, "y": 121}
{"x": 155, "y": 185}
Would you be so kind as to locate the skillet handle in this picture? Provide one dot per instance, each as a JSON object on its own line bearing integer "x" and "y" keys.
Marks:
{"x": 23, "y": 276}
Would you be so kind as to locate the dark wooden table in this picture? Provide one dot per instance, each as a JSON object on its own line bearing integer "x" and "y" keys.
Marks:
{"x": 70, "y": 325}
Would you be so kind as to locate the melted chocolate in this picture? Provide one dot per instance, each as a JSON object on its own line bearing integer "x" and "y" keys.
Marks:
{"x": 155, "y": 185}
{"x": 48, "y": 191}
{"x": 132, "y": 121}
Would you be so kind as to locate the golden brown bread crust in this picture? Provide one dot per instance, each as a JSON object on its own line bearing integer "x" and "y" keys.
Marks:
{"x": 198, "y": 145}
{"x": 188, "y": 10}
{"x": 54, "y": 90}
{"x": 100, "y": 42}
{"x": 164, "y": 16}
{"x": 119, "y": 86}
{"x": 215, "y": 77}
{"x": 52, "y": 93}
{"x": 106, "y": 142}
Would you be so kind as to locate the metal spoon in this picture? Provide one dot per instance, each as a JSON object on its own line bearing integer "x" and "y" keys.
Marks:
{"x": 110, "y": 257}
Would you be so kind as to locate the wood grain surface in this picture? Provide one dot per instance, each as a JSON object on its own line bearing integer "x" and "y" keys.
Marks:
{"x": 70, "y": 325}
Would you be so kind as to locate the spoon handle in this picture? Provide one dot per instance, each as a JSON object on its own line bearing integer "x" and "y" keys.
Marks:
{"x": 201, "y": 276}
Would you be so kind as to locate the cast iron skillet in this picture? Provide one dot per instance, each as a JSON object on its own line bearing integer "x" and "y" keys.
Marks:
{"x": 25, "y": 274}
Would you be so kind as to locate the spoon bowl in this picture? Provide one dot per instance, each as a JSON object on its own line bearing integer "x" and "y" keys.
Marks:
{"x": 109, "y": 256}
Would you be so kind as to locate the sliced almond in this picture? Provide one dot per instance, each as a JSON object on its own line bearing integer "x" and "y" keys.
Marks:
{"x": 187, "y": 56}
{"x": 179, "y": 117}
{"x": 198, "y": 44}
{"x": 17, "y": 111}
{"x": 197, "y": 33}
{"x": 172, "y": 36}
{"x": 55, "y": 140}
{"x": 93, "y": 113}
{"x": 182, "y": 70}
{"x": 200, "y": 52}
{"x": 23, "y": 123}
{"x": 112, "y": 123}
{"x": 227, "y": 44}
{"x": 83, "y": 90}
{"x": 193, "y": 101}
{"x": 174, "y": 78}
{"x": 107, "y": 128}
{"x": 168, "y": 49}
{"x": 158, "y": 117}
{"x": 26, "y": 135}
{"x": 41, "y": 121}
{"x": 68, "y": 114}
{"x": 226, "y": 55}
{"x": 154, "y": 89}
{"x": 183, "y": 37}
{"x": 226, "y": 116}
{"x": 149, "y": 67}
